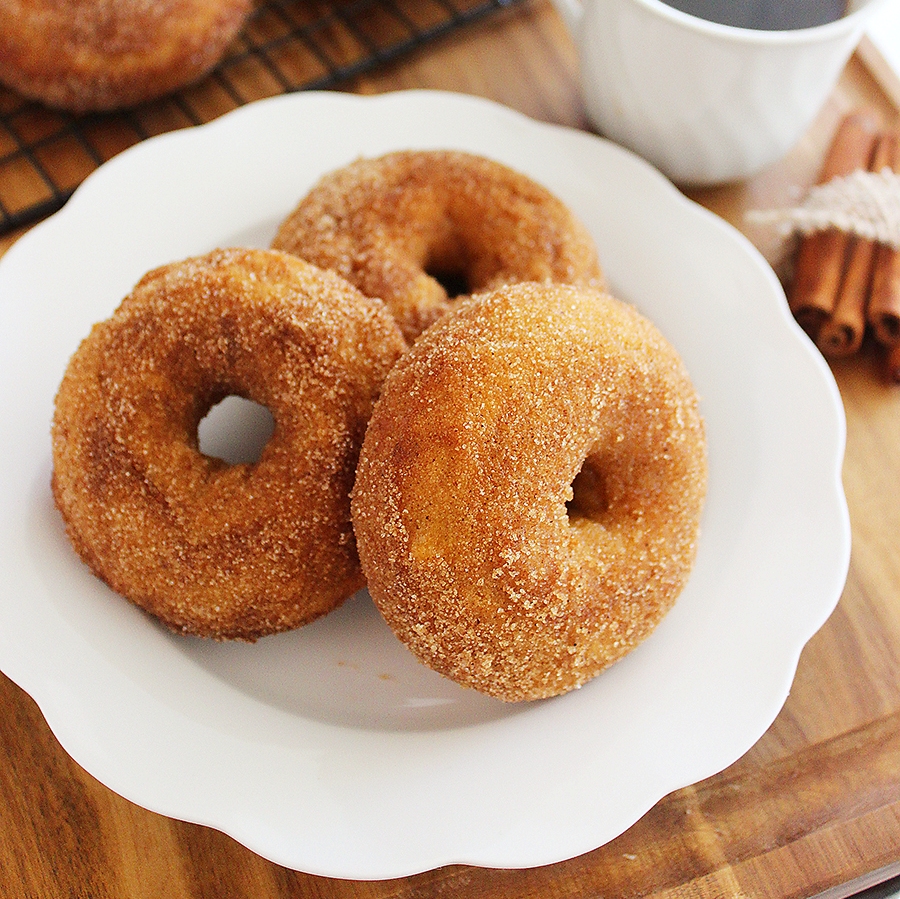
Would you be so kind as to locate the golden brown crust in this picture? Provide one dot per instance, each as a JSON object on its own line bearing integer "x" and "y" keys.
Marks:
{"x": 474, "y": 547}
{"x": 390, "y": 225}
{"x": 214, "y": 549}
{"x": 86, "y": 55}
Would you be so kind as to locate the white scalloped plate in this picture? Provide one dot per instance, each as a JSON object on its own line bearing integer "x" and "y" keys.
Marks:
{"x": 330, "y": 750}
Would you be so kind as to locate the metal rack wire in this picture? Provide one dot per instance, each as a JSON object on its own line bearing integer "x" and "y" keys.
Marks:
{"x": 286, "y": 46}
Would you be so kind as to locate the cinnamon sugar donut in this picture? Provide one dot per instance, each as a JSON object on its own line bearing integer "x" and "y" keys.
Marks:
{"x": 406, "y": 225}
{"x": 212, "y": 549}
{"x": 530, "y": 487}
{"x": 86, "y": 55}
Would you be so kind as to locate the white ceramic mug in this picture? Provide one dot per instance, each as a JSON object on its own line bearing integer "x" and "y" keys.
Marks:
{"x": 704, "y": 102}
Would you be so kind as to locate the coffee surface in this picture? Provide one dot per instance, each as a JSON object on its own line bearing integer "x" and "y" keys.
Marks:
{"x": 764, "y": 15}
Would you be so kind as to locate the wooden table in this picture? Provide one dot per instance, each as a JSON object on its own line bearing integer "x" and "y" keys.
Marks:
{"x": 813, "y": 807}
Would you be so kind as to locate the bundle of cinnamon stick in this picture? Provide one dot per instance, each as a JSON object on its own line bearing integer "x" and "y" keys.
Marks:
{"x": 843, "y": 284}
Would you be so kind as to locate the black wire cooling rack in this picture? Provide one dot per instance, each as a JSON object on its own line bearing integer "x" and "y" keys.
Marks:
{"x": 287, "y": 45}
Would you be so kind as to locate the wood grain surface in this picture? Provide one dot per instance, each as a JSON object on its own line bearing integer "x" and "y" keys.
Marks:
{"x": 813, "y": 807}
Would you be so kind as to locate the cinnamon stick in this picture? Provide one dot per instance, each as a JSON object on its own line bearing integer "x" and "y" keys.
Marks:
{"x": 821, "y": 256}
{"x": 842, "y": 333}
{"x": 884, "y": 301}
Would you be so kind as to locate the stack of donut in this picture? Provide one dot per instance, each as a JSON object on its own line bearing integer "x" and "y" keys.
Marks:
{"x": 514, "y": 466}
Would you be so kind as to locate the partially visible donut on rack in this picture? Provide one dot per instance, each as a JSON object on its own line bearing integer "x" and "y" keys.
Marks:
{"x": 95, "y": 55}
{"x": 420, "y": 228}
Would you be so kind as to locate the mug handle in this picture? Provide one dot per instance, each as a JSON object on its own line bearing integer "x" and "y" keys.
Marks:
{"x": 572, "y": 12}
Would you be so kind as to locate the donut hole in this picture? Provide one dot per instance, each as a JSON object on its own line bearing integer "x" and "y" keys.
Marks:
{"x": 454, "y": 282}
{"x": 446, "y": 261}
{"x": 235, "y": 430}
{"x": 590, "y": 499}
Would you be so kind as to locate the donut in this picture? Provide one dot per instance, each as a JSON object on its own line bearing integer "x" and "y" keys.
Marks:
{"x": 229, "y": 551}
{"x": 529, "y": 492}
{"x": 91, "y": 55}
{"x": 420, "y": 228}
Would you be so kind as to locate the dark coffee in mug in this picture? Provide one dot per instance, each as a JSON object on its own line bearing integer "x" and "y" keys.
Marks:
{"x": 764, "y": 15}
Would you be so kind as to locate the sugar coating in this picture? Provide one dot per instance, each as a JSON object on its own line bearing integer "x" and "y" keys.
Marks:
{"x": 390, "y": 225}
{"x": 105, "y": 54}
{"x": 529, "y": 492}
{"x": 227, "y": 551}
